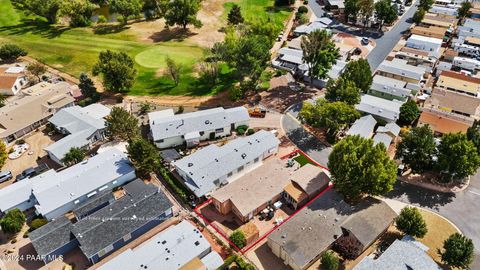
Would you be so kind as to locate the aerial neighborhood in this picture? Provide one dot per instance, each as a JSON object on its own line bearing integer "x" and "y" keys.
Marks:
{"x": 236, "y": 134}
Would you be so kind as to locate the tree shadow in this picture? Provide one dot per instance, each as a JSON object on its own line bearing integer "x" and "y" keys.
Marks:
{"x": 420, "y": 196}
{"x": 171, "y": 34}
{"x": 34, "y": 26}
{"x": 104, "y": 29}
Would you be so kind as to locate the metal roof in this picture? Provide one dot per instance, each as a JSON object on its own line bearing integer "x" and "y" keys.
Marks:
{"x": 401, "y": 68}
{"x": 165, "y": 124}
{"x": 390, "y": 86}
{"x": 80, "y": 123}
{"x": 169, "y": 249}
{"x": 212, "y": 162}
{"x": 387, "y": 109}
{"x": 382, "y": 138}
{"x": 81, "y": 179}
{"x": 363, "y": 127}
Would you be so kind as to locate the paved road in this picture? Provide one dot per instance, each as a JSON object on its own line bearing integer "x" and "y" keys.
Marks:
{"x": 461, "y": 208}
{"x": 385, "y": 41}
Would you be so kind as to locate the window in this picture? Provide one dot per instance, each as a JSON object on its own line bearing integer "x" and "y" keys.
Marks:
{"x": 201, "y": 133}
{"x": 216, "y": 182}
{"x": 240, "y": 168}
{"x": 256, "y": 160}
{"x": 108, "y": 249}
{"x": 219, "y": 130}
{"x": 229, "y": 174}
{"x": 160, "y": 141}
{"x": 103, "y": 188}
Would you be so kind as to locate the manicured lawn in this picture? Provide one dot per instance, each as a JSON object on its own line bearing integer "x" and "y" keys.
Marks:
{"x": 260, "y": 9}
{"x": 76, "y": 50}
{"x": 303, "y": 160}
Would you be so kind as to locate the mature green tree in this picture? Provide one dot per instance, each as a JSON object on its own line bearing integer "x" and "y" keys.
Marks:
{"x": 409, "y": 112}
{"x": 79, "y": 12}
{"x": 418, "y": 15}
{"x": 329, "y": 261}
{"x": 411, "y": 222}
{"x": 117, "y": 69}
{"x": 457, "y": 157}
{"x": 333, "y": 116}
{"x": 144, "y": 156}
{"x": 458, "y": 251}
{"x": 385, "y": 12}
{"x": 358, "y": 167}
{"x": 473, "y": 134}
{"x": 154, "y": 9}
{"x": 11, "y": 52}
{"x": 417, "y": 149}
{"x": 3, "y": 154}
{"x": 238, "y": 238}
{"x": 145, "y": 107}
{"x": 37, "y": 69}
{"x": 425, "y": 4}
{"x": 173, "y": 69}
{"x": 319, "y": 53}
{"x": 87, "y": 87}
{"x": 351, "y": 10}
{"x": 13, "y": 221}
{"x": 48, "y": 9}
{"x": 360, "y": 73}
{"x": 366, "y": 9}
{"x": 74, "y": 155}
{"x": 235, "y": 15}
{"x": 126, "y": 8}
{"x": 121, "y": 125}
{"x": 265, "y": 28}
{"x": 3, "y": 99}
{"x": 183, "y": 13}
{"x": 344, "y": 90}
{"x": 464, "y": 10}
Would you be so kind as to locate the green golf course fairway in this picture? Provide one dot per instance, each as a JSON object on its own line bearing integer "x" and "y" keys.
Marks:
{"x": 155, "y": 57}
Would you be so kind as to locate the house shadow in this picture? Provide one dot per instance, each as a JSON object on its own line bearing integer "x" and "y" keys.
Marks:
{"x": 171, "y": 34}
{"x": 30, "y": 260}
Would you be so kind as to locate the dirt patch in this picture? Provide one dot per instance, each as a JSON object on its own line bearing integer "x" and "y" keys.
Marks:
{"x": 210, "y": 15}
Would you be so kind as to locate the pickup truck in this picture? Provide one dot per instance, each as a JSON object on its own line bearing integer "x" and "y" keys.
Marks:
{"x": 31, "y": 172}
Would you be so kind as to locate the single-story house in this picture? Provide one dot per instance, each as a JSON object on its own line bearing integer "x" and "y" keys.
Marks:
{"x": 451, "y": 10}
{"x": 56, "y": 193}
{"x": 319, "y": 24}
{"x": 458, "y": 82}
{"x": 211, "y": 167}
{"x": 424, "y": 43}
{"x": 381, "y": 109}
{"x": 84, "y": 126}
{"x": 389, "y": 88}
{"x": 180, "y": 246}
{"x": 314, "y": 229}
{"x": 170, "y": 130}
{"x": 443, "y": 122}
{"x": 30, "y": 112}
{"x": 106, "y": 229}
{"x": 433, "y": 31}
{"x": 400, "y": 69}
{"x": 363, "y": 127}
{"x": 12, "y": 80}
{"x": 454, "y": 102}
{"x": 406, "y": 253}
{"x": 386, "y": 134}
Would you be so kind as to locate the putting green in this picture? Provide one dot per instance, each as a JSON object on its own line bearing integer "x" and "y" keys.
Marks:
{"x": 155, "y": 57}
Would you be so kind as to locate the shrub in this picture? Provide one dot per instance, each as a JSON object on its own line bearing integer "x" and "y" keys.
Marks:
{"x": 250, "y": 131}
{"x": 13, "y": 221}
{"x": 238, "y": 238}
{"x": 25, "y": 235}
{"x": 347, "y": 247}
{"x": 329, "y": 261}
{"x": 235, "y": 93}
{"x": 411, "y": 222}
{"x": 458, "y": 251}
{"x": 101, "y": 19}
{"x": 119, "y": 99}
{"x": 180, "y": 109}
{"x": 13, "y": 241}
{"x": 37, "y": 223}
{"x": 305, "y": 2}
{"x": 21, "y": 141}
{"x": 303, "y": 9}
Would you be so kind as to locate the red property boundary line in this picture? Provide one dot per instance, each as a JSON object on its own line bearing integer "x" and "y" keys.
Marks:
{"x": 247, "y": 248}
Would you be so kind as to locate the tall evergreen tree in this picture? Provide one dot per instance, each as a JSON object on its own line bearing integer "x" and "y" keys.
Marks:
{"x": 235, "y": 15}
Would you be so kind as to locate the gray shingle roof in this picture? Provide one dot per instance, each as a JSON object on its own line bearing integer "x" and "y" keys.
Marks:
{"x": 81, "y": 123}
{"x": 405, "y": 254}
{"x": 363, "y": 126}
{"x": 164, "y": 124}
{"x": 312, "y": 229}
{"x": 371, "y": 218}
{"x": 52, "y": 236}
{"x": 125, "y": 215}
{"x": 85, "y": 208}
{"x": 212, "y": 162}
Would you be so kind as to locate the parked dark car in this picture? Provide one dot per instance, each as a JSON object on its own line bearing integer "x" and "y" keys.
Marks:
{"x": 31, "y": 172}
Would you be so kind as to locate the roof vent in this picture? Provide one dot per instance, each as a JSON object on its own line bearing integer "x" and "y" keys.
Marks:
{"x": 197, "y": 243}
{"x": 207, "y": 122}
{"x": 244, "y": 155}
{"x": 190, "y": 164}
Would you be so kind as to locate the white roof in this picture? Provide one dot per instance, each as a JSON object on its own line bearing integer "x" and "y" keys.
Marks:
{"x": 169, "y": 249}
{"x": 390, "y": 86}
{"x": 382, "y": 138}
{"x": 363, "y": 127}
{"x": 76, "y": 181}
{"x": 15, "y": 70}
{"x": 392, "y": 128}
{"x": 81, "y": 123}
{"x": 420, "y": 39}
{"x": 319, "y": 24}
{"x": 212, "y": 162}
{"x": 383, "y": 108}
{"x": 400, "y": 67}
{"x": 165, "y": 124}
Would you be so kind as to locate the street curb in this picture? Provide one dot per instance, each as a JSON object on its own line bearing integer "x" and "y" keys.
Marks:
{"x": 428, "y": 186}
